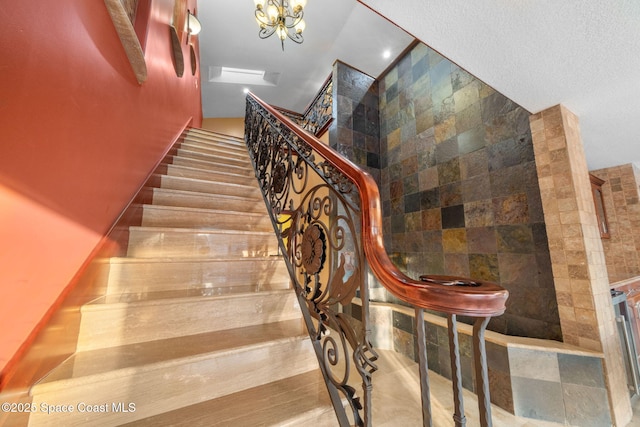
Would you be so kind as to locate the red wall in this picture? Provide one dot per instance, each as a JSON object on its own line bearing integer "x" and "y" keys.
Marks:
{"x": 78, "y": 136}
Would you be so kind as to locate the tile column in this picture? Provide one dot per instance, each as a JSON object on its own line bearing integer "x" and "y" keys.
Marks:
{"x": 578, "y": 263}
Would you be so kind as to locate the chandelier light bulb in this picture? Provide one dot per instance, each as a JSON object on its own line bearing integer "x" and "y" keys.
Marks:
{"x": 282, "y": 32}
{"x": 272, "y": 12}
{"x": 299, "y": 4}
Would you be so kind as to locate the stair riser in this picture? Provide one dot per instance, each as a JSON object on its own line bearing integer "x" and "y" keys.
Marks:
{"x": 193, "y": 381}
{"x": 149, "y": 243}
{"x": 203, "y": 201}
{"x": 186, "y": 274}
{"x": 203, "y": 164}
{"x": 209, "y": 175}
{"x": 106, "y": 325}
{"x": 213, "y": 158}
{"x": 175, "y": 183}
{"x": 218, "y": 138}
{"x": 155, "y": 216}
{"x": 235, "y": 146}
{"x": 214, "y": 136}
{"x": 215, "y": 150}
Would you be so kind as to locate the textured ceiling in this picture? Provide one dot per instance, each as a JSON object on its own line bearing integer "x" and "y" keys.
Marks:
{"x": 584, "y": 54}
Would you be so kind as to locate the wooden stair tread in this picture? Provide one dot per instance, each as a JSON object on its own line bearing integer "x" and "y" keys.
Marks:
{"x": 183, "y": 196}
{"x": 215, "y": 139}
{"x": 228, "y": 143}
{"x": 219, "y": 143}
{"x": 204, "y": 186}
{"x": 206, "y": 164}
{"x": 231, "y": 218}
{"x": 164, "y": 260}
{"x": 241, "y": 174}
{"x": 201, "y": 194}
{"x": 202, "y": 231}
{"x": 92, "y": 365}
{"x": 290, "y": 401}
{"x": 205, "y": 133}
{"x": 215, "y": 148}
{"x": 195, "y": 242}
{"x": 178, "y": 296}
{"x": 213, "y": 134}
{"x": 205, "y": 210}
{"x": 240, "y": 186}
{"x": 186, "y": 152}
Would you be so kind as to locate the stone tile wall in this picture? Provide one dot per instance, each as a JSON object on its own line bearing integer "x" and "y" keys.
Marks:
{"x": 355, "y": 130}
{"x": 459, "y": 187}
{"x": 622, "y": 249}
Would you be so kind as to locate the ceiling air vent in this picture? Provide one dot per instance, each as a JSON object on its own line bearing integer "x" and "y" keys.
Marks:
{"x": 243, "y": 76}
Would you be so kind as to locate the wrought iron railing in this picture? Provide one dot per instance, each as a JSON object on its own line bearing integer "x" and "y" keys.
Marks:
{"x": 317, "y": 116}
{"x": 327, "y": 214}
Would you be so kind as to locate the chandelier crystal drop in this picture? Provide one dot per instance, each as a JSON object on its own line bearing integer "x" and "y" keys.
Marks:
{"x": 281, "y": 17}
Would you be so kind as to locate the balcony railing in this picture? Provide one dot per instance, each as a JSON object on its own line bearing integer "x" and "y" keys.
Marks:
{"x": 326, "y": 212}
{"x": 316, "y": 118}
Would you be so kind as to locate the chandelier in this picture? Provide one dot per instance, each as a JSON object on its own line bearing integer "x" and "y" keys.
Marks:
{"x": 283, "y": 18}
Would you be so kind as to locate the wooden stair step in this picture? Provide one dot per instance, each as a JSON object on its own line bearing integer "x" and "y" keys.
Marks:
{"x": 154, "y": 242}
{"x": 176, "y": 216}
{"x": 116, "y": 320}
{"x": 215, "y": 137}
{"x": 202, "y": 186}
{"x": 193, "y": 199}
{"x": 212, "y": 135}
{"x": 215, "y": 149}
{"x": 207, "y": 175}
{"x": 131, "y": 275}
{"x": 183, "y": 152}
{"x": 301, "y": 400}
{"x": 165, "y": 375}
{"x": 209, "y": 165}
{"x": 234, "y": 146}
{"x": 220, "y": 147}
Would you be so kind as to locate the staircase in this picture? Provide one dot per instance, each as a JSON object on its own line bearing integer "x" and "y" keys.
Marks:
{"x": 199, "y": 325}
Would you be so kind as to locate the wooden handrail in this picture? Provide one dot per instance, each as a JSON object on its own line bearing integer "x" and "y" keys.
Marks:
{"x": 483, "y": 299}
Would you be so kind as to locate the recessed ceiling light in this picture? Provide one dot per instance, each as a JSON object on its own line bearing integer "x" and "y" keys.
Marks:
{"x": 386, "y": 54}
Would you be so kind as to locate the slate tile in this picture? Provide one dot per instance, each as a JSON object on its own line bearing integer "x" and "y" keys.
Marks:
{"x": 586, "y": 406}
{"x": 430, "y": 199}
{"x": 449, "y": 171}
{"x": 453, "y": 217}
{"x": 451, "y": 194}
{"x": 538, "y": 399}
{"x": 581, "y": 370}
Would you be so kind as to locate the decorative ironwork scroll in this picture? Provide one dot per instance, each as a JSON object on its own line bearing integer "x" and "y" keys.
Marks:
{"x": 318, "y": 114}
{"x": 315, "y": 210}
